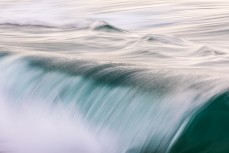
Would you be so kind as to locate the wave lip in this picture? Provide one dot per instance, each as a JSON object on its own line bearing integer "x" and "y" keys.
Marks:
{"x": 104, "y": 26}
{"x": 164, "y": 39}
{"x": 207, "y": 51}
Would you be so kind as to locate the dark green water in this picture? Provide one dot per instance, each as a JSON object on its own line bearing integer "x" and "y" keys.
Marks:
{"x": 208, "y": 130}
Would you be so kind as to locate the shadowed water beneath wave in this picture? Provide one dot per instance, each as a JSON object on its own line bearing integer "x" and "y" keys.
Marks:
{"x": 207, "y": 131}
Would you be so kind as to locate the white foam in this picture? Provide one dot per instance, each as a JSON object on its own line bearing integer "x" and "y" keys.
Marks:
{"x": 42, "y": 129}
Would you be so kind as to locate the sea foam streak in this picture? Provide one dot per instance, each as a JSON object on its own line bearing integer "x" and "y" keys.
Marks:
{"x": 38, "y": 14}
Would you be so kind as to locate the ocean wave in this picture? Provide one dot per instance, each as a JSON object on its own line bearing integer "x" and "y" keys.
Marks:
{"x": 104, "y": 26}
{"x": 106, "y": 96}
{"x": 207, "y": 51}
{"x": 73, "y": 80}
{"x": 81, "y": 25}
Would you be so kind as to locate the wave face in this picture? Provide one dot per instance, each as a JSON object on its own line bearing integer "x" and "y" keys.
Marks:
{"x": 117, "y": 77}
{"x": 207, "y": 131}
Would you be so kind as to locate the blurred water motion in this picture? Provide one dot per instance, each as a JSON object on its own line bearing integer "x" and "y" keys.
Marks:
{"x": 114, "y": 77}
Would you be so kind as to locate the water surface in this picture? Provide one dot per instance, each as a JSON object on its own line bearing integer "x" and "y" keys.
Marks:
{"x": 114, "y": 76}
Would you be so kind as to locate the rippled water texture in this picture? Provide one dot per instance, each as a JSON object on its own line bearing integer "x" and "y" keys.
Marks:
{"x": 119, "y": 76}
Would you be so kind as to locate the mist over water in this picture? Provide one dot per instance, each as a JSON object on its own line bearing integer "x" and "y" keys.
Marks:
{"x": 114, "y": 77}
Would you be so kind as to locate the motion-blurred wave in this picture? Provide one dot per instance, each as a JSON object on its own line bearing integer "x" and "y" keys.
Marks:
{"x": 117, "y": 77}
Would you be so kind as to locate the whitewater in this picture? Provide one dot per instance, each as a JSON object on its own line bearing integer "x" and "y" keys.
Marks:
{"x": 114, "y": 76}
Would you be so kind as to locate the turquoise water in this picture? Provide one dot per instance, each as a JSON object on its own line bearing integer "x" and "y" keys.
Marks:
{"x": 114, "y": 77}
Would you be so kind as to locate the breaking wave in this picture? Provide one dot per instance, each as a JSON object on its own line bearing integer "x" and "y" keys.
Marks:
{"x": 91, "y": 107}
{"x": 71, "y": 82}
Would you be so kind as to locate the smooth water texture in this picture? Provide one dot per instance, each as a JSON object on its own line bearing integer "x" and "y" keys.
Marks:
{"x": 117, "y": 76}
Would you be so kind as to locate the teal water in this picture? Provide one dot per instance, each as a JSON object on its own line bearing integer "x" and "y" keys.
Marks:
{"x": 114, "y": 77}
